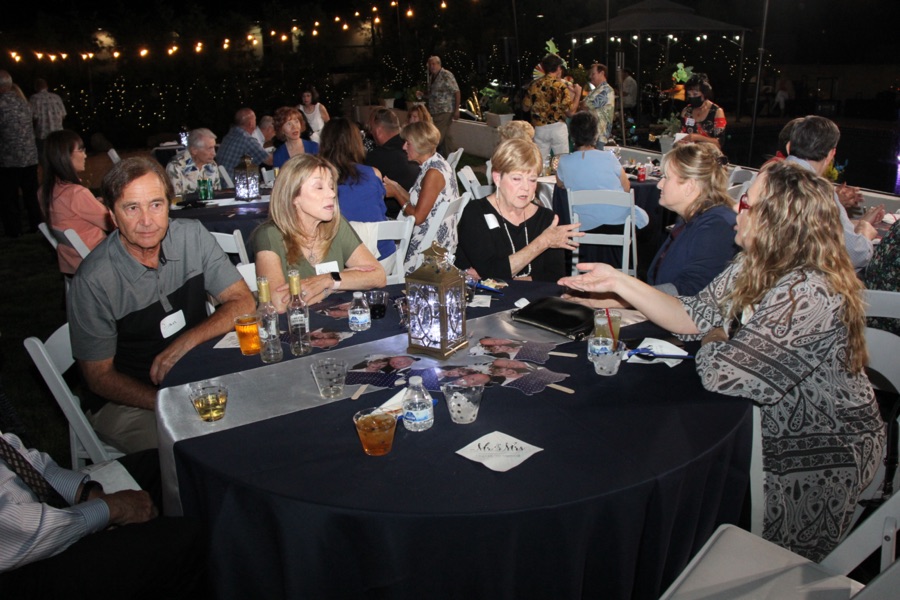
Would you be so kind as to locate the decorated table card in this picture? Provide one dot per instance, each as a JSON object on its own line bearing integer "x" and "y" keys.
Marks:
{"x": 498, "y": 451}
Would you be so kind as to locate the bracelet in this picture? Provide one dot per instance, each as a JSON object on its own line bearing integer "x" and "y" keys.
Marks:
{"x": 86, "y": 490}
{"x": 403, "y": 208}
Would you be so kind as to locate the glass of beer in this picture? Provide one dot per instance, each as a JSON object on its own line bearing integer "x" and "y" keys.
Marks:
{"x": 247, "y": 328}
{"x": 376, "y": 430}
{"x": 209, "y": 399}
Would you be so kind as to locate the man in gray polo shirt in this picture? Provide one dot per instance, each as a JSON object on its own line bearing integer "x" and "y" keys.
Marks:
{"x": 137, "y": 302}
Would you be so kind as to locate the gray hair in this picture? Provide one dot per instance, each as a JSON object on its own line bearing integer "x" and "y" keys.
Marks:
{"x": 196, "y": 136}
{"x": 266, "y": 121}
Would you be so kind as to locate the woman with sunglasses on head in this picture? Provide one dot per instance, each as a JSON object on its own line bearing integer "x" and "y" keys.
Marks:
{"x": 784, "y": 326}
{"x": 65, "y": 202}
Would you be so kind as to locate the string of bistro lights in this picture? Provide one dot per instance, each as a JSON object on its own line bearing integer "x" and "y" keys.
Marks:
{"x": 316, "y": 29}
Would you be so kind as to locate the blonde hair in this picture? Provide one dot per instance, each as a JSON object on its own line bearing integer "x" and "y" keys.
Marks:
{"x": 516, "y": 129}
{"x": 424, "y": 137}
{"x": 282, "y": 212}
{"x": 705, "y": 165}
{"x": 795, "y": 225}
{"x": 517, "y": 155}
{"x": 419, "y": 109}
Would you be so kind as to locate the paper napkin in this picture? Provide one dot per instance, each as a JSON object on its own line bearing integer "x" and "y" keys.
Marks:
{"x": 498, "y": 451}
{"x": 659, "y": 347}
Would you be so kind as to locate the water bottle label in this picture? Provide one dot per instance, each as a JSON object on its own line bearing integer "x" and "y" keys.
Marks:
{"x": 359, "y": 318}
{"x": 416, "y": 416}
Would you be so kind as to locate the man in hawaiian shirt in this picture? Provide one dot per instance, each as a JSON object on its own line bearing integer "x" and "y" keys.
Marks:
{"x": 48, "y": 110}
{"x": 443, "y": 99}
{"x": 601, "y": 100}
{"x": 195, "y": 162}
{"x": 550, "y": 100}
{"x": 18, "y": 159}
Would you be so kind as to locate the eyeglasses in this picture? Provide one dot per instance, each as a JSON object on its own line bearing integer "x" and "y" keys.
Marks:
{"x": 743, "y": 204}
{"x": 80, "y": 149}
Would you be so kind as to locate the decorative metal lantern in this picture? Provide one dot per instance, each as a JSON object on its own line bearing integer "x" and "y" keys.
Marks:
{"x": 246, "y": 179}
{"x": 436, "y": 293}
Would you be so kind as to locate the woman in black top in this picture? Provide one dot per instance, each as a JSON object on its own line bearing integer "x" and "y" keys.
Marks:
{"x": 508, "y": 235}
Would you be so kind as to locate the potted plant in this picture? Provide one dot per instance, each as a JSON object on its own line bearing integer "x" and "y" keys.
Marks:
{"x": 666, "y": 137}
{"x": 387, "y": 97}
{"x": 499, "y": 112}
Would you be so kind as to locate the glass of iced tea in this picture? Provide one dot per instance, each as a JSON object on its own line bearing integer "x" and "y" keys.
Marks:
{"x": 247, "y": 328}
{"x": 607, "y": 323}
{"x": 209, "y": 400}
{"x": 376, "y": 430}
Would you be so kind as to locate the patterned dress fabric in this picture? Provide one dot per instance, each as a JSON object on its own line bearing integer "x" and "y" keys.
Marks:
{"x": 706, "y": 127}
{"x": 602, "y": 100}
{"x": 822, "y": 433}
{"x": 17, "y": 145}
{"x": 883, "y": 273}
{"x": 446, "y": 235}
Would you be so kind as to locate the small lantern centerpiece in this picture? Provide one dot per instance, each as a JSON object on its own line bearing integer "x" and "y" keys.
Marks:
{"x": 246, "y": 179}
{"x": 436, "y": 293}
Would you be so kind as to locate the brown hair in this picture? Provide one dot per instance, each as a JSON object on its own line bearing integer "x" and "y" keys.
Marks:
{"x": 341, "y": 144}
{"x": 125, "y": 172}
{"x": 704, "y": 164}
{"x": 285, "y": 114}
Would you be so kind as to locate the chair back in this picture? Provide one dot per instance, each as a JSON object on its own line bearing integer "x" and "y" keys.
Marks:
{"x": 225, "y": 177}
{"x": 70, "y": 238}
{"x": 471, "y": 184}
{"x": 445, "y": 211}
{"x": 739, "y": 175}
{"x": 232, "y": 243}
{"x": 453, "y": 158}
{"x": 114, "y": 156}
{"x": 399, "y": 231}
{"x": 268, "y": 175}
{"x": 42, "y": 227}
{"x": 627, "y": 239}
{"x": 248, "y": 272}
{"x": 734, "y": 192}
{"x": 53, "y": 358}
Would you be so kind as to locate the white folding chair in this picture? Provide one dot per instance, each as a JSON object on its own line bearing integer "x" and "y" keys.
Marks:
{"x": 227, "y": 181}
{"x": 248, "y": 272}
{"x": 399, "y": 231}
{"x": 735, "y": 564}
{"x": 70, "y": 238}
{"x": 739, "y": 175}
{"x": 735, "y": 191}
{"x": 268, "y": 175}
{"x": 46, "y": 231}
{"x": 453, "y": 158}
{"x": 627, "y": 239}
{"x": 53, "y": 358}
{"x": 471, "y": 184}
{"x": 114, "y": 156}
{"x": 232, "y": 243}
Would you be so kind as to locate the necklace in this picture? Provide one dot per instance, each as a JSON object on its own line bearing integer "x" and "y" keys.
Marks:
{"x": 526, "y": 272}
{"x": 311, "y": 256}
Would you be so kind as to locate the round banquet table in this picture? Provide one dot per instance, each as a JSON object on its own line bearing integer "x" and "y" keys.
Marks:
{"x": 636, "y": 472}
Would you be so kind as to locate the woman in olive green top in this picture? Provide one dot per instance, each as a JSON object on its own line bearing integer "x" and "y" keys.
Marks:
{"x": 306, "y": 232}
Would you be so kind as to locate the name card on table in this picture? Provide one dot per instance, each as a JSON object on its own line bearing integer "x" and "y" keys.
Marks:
{"x": 498, "y": 451}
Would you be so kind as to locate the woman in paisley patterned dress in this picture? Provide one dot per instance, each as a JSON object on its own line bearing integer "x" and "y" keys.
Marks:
{"x": 783, "y": 325}
{"x": 436, "y": 184}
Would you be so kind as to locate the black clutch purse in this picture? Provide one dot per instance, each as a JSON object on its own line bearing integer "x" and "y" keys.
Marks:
{"x": 569, "y": 319}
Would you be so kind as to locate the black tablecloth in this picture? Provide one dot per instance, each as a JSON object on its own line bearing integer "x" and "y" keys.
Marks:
{"x": 636, "y": 472}
{"x": 225, "y": 219}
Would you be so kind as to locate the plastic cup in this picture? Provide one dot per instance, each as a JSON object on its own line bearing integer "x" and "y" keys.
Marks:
{"x": 377, "y": 300}
{"x": 602, "y": 319}
{"x": 463, "y": 401}
{"x": 330, "y": 374}
{"x": 247, "y": 328}
{"x": 209, "y": 400}
{"x": 605, "y": 355}
{"x": 376, "y": 430}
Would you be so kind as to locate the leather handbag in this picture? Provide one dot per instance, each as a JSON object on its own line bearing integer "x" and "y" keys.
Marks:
{"x": 569, "y": 319}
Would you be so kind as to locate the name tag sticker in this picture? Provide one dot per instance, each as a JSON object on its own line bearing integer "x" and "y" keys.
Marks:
{"x": 491, "y": 221}
{"x": 689, "y": 122}
{"x": 327, "y": 267}
{"x": 172, "y": 324}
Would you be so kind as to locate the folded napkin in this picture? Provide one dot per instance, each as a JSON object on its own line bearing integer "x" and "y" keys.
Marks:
{"x": 890, "y": 218}
{"x": 659, "y": 347}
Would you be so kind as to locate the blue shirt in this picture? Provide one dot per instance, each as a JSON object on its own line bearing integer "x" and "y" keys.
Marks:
{"x": 695, "y": 252}
{"x": 281, "y": 155}
{"x": 363, "y": 201}
{"x": 236, "y": 144}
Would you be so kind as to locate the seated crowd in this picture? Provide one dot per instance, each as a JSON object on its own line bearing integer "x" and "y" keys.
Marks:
{"x": 766, "y": 276}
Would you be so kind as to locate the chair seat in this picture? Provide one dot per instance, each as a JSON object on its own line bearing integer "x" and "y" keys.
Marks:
{"x": 735, "y": 564}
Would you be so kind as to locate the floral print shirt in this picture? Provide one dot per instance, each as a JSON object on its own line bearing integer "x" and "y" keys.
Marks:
{"x": 184, "y": 173}
{"x": 49, "y": 112}
{"x": 548, "y": 99}
{"x": 602, "y": 100}
{"x": 442, "y": 89}
{"x": 17, "y": 145}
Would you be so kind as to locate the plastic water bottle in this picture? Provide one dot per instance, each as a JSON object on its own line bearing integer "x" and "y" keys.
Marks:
{"x": 418, "y": 409}
{"x": 360, "y": 317}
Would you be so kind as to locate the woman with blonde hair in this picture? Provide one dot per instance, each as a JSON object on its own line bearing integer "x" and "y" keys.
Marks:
{"x": 435, "y": 185}
{"x": 306, "y": 232}
{"x": 418, "y": 114}
{"x": 784, "y": 326}
{"x": 509, "y": 235}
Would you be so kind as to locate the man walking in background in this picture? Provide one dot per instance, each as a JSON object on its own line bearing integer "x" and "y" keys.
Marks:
{"x": 18, "y": 160}
{"x": 48, "y": 111}
{"x": 443, "y": 99}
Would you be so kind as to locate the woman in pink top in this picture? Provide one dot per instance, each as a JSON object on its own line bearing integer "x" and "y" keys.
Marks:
{"x": 66, "y": 203}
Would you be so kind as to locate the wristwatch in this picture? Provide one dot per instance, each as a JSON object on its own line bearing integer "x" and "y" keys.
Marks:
{"x": 336, "y": 277}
